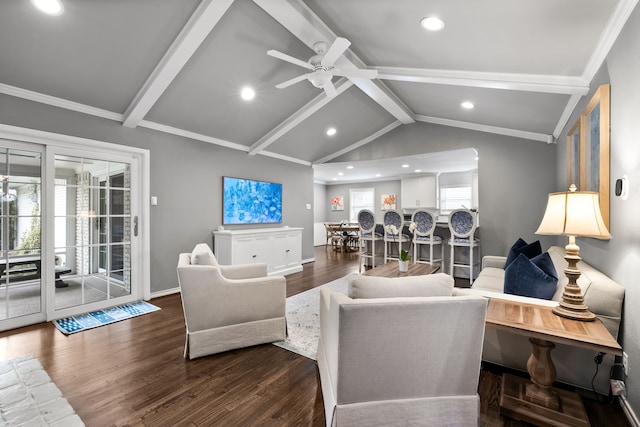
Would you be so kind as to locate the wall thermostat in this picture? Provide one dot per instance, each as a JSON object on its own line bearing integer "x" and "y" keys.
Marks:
{"x": 622, "y": 187}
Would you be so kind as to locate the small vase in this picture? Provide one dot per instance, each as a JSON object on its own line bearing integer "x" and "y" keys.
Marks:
{"x": 403, "y": 266}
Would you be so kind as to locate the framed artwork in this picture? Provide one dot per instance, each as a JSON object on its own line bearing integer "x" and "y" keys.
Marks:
{"x": 387, "y": 202}
{"x": 573, "y": 155}
{"x": 337, "y": 203}
{"x": 594, "y": 148}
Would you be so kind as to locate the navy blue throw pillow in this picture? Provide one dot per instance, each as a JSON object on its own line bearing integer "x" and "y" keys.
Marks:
{"x": 521, "y": 247}
{"x": 536, "y": 277}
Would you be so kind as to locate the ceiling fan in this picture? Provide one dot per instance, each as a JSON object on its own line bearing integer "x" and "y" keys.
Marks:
{"x": 322, "y": 67}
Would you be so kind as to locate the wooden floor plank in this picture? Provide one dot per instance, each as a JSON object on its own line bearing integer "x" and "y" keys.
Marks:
{"x": 132, "y": 373}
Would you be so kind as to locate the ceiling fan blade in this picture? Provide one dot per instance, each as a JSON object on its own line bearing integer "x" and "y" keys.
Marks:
{"x": 355, "y": 72}
{"x": 330, "y": 90}
{"x": 337, "y": 48}
{"x": 293, "y": 81}
{"x": 288, "y": 58}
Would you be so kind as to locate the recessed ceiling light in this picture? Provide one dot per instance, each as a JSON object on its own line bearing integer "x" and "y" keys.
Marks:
{"x": 349, "y": 167}
{"x": 331, "y": 131}
{"x": 418, "y": 170}
{"x": 468, "y": 105}
{"x": 50, "y": 7}
{"x": 247, "y": 93}
{"x": 340, "y": 173}
{"x": 334, "y": 179}
{"x": 405, "y": 166}
{"x": 378, "y": 175}
{"x": 432, "y": 23}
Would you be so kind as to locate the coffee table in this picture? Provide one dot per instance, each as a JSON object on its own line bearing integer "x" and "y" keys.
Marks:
{"x": 536, "y": 401}
{"x": 391, "y": 269}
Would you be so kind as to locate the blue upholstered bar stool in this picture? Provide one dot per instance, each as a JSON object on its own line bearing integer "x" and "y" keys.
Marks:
{"x": 393, "y": 220}
{"x": 367, "y": 233}
{"x": 462, "y": 225}
{"x": 425, "y": 225}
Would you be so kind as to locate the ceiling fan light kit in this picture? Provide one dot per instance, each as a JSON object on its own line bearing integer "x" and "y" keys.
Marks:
{"x": 322, "y": 66}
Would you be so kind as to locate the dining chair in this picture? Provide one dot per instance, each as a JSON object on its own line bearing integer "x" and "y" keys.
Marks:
{"x": 394, "y": 235}
{"x": 462, "y": 226}
{"x": 423, "y": 235}
{"x": 367, "y": 236}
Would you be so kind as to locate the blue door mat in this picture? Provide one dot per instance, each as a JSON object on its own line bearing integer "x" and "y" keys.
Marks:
{"x": 82, "y": 322}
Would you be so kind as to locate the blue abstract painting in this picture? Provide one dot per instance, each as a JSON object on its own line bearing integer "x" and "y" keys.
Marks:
{"x": 246, "y": 201}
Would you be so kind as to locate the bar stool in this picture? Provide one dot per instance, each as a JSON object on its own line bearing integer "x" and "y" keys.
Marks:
{"x": 367, "y": 233}
{"x": 462, "y": 225}
{"x": 425, "y": 225}
{"x": 393, "y": 234}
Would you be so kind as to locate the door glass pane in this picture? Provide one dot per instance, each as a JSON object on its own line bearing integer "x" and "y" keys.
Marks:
{"x": 93, "y": 244}
{"x": 20, "y": 233}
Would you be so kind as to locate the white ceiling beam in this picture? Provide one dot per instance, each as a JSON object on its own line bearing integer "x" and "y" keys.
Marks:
{"x": 200, "y": 24}
{"x": 303, "y": 23}
{"x": 296, "y": 118}
{"x": 486, "y": 128}
{"x": 567, "y": 85}
{"x": 360, "y": 143}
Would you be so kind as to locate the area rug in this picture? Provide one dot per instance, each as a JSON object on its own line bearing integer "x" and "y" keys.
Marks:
{"x": 28, "y": 397}
{"x": 93, "y": 319}
{"x": 303, "y": 319}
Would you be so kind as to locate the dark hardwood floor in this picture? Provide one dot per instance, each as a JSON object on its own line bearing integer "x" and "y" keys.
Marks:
{"x": 132, "y": 373}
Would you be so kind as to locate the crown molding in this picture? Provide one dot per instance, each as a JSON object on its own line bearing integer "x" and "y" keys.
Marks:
{"x": 58, "y": 102}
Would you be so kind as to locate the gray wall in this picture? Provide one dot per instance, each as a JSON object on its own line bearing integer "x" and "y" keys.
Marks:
{"x": 186, "y": 176}
{"x": 619, "y": 258}
{"x": 380, "y": 187}
{"x": 319, "y": 203}
{"x": 515, "y": 176}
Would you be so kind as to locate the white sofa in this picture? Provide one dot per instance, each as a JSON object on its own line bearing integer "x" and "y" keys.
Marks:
{"x": 410, "y": 359}
{"x": 574, "y": 366}
{"x": 229, "y": 307}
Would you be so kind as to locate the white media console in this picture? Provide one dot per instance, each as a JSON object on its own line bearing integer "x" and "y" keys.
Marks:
{"x": 280, "y": 248}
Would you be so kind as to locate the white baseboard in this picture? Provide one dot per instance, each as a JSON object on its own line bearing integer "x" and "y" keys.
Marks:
{"x": 308, "y": 260}
{"x": 165, "y": 293}
{"x": 628, "y": 411}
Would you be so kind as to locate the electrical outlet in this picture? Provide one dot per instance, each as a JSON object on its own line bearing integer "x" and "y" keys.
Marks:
{"x": 625, "y": 362}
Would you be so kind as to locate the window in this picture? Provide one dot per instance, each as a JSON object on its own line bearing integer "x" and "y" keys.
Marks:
{"x": 455, "y": 197}
{"x": 360, "y": 198}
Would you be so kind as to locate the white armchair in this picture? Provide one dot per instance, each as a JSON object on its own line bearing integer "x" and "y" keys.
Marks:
{"x": 228, "y": 307}
{"x": 400, "y": 361}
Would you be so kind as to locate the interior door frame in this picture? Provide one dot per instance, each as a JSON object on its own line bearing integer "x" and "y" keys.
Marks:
{"x": 60, "y": 143}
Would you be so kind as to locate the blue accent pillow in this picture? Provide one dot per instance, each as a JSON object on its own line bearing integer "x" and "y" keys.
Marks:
{"x": 536, "y": 277}
{"x": 521, "y": 247}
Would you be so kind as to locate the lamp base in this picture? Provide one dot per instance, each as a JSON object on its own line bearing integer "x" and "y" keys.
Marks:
{"x": 572, "y": 304}
{"x": 574, "y": 312}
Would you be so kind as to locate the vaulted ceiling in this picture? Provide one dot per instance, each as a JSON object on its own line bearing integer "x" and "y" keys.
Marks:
{"x": 179, "y": 66}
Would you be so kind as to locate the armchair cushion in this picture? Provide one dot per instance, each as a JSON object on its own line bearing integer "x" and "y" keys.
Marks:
{"x": 521, "y": 247}
{"x": 534, "y": 277}
{"x": 203, "y": 255}
{"x": 431, "y": 285}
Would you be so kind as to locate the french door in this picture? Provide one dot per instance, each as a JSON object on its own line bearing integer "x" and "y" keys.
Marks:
{"x": 69, "y": 237}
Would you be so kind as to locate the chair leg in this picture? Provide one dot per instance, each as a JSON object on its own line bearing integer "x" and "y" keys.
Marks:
{"x": 451, "y": 260}
{"x": 373, "y": 253}
{"x": 470, "y": 265}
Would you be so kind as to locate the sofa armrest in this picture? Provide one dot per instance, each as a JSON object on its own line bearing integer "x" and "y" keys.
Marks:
{"x": 244, "y": 271}
{"x": 493, "y": 261}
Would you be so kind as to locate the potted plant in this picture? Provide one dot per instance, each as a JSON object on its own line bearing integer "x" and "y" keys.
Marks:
{"x": 403, "y": 263}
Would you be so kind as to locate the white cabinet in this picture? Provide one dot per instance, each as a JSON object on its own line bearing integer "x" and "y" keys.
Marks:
{"x": 418, "y": 192}
{"x": 279, "y": 248}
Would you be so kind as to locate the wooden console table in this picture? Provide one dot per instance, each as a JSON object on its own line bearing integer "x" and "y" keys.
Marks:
{"x": 536, "y": 401}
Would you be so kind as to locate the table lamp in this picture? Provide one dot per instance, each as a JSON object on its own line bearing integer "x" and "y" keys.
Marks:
{"x": 574, "y": 214}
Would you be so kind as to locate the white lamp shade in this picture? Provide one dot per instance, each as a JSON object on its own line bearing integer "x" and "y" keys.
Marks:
{"x": 574, "y": 214}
